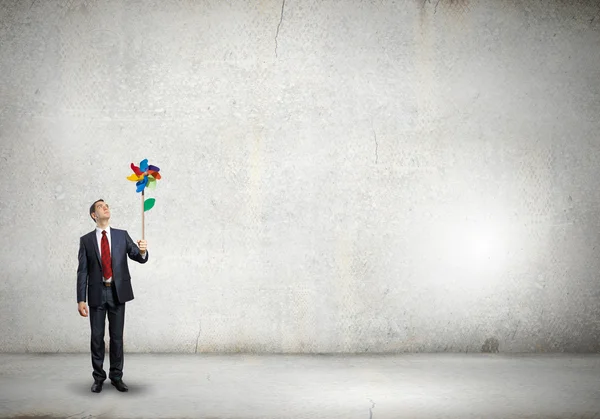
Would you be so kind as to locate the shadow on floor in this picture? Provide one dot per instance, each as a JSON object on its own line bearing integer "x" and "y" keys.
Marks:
{"x": 83, "y": 388}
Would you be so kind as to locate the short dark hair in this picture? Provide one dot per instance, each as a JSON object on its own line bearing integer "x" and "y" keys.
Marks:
{"x": 93, "y": 208}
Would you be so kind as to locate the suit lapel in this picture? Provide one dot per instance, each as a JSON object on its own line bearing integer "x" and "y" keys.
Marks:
{"x": 95, "y": 240}
{"x": 114, "y": 244}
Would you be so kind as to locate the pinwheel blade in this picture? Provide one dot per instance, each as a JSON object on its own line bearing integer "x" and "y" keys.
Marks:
{"x": 144, "y": 165}
{"x": 148, "y": 204}
{"x": 134, "y": 177}
{"x": 142, "y": 184}
{"x": 156, "y": 169}
{"x": 135, "y": 169}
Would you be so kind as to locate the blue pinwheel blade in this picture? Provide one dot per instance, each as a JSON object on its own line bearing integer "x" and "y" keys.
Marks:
{"x": 141, "y": 184}
{"x": 144, "y": 165}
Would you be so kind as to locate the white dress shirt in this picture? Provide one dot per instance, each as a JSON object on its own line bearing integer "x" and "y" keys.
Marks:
{"x": 99, "y": 238}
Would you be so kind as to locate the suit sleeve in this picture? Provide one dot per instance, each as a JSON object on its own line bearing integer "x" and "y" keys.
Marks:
{"x": 82, "y": 272}
{"x": 134, "y": 252}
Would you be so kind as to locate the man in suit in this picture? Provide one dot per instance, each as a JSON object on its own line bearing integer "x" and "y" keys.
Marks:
{"x": 104, "y": 272}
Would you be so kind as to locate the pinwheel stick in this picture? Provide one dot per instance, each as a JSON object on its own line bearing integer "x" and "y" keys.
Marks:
{"x": 143, "y": 215}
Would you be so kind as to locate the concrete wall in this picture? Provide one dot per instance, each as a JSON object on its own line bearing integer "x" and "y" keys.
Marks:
{"x": 337, "y": 175}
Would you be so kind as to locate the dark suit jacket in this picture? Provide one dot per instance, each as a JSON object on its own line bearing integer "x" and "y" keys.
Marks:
{"x": 89, "y": 272}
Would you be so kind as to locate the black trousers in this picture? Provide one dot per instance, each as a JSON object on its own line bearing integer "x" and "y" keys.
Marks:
{"x": 116, "y": 320}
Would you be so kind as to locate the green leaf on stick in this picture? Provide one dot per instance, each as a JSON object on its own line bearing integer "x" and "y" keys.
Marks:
{"x": 149, "y": 203}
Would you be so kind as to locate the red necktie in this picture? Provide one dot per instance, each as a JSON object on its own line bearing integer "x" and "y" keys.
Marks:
{"x": 106, "y": 264}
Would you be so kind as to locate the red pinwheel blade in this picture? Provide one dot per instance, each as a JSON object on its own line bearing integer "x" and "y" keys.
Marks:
{"x": 136, "y": 169}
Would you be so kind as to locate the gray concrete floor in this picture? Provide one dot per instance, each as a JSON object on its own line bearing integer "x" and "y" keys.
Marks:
{"x": 288, "y": 386}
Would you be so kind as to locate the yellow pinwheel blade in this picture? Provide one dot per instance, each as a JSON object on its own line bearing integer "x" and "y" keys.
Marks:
{"x": 134, "y": 177}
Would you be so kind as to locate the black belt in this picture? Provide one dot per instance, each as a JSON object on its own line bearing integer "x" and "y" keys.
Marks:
{"x": 107, "y": 284}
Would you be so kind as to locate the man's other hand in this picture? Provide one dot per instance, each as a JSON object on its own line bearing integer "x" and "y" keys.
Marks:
{"x": 81, "y": 307}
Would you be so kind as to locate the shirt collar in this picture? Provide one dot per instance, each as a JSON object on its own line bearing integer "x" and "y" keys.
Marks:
{"x": 99, "y": 230}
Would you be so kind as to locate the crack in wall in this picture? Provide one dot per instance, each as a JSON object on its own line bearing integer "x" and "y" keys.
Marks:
{"x": 75, "y": 414}
{"x": 279, "y": 25}
{"x": 376, "y": 144}
{"x": 515, "y": 332}
{"x": 376, "y": 147}
{"x": 457, "y": 4}
{"x": 198, "y": 337}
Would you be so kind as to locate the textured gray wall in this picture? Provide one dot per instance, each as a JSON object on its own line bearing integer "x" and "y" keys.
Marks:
{"x": 338, "y": 175}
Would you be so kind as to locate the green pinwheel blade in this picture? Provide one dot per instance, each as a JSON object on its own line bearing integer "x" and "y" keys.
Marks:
{"x": 148, "y": 204}
{"x": 151, "y": 182}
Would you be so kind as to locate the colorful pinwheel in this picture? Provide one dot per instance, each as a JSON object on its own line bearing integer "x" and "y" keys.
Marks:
{"x": 145, "y": 176}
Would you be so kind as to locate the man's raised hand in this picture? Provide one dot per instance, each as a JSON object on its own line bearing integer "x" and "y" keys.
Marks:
{"x": 143, "y": 245}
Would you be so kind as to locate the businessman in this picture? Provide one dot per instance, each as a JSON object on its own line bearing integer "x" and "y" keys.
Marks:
{"x": 103, "y": 272}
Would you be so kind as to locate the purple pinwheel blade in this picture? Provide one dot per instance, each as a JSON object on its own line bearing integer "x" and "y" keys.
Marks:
{"x": 151, "y": 167}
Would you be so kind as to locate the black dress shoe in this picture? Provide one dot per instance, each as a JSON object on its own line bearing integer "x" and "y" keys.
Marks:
{"x": 97, "y": 387}
{"x": 120, "y": 385}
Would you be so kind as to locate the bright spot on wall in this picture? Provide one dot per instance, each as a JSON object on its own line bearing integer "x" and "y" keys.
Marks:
{"x": 476, "y": 246}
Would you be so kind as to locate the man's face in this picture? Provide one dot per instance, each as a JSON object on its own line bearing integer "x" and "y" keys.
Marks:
{"x": 102, "y": 211}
